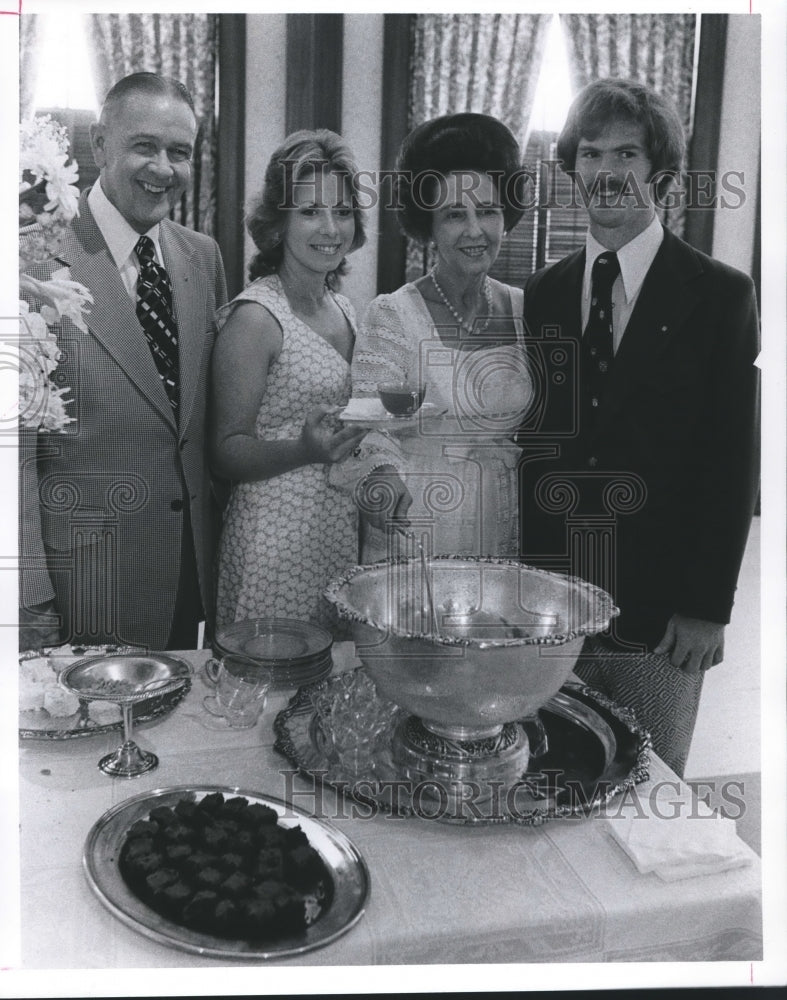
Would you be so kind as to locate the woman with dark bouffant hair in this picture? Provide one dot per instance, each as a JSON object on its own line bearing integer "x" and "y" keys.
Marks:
{"x": 460, "y": 189}
{"x": 281, "y": 371}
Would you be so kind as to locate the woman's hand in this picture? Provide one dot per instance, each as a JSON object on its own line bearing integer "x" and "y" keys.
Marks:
{"x": 383, "y": 499}
{"x": 324, "y": 440}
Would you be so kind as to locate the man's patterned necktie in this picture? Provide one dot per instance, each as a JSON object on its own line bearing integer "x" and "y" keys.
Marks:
{"x": 597, "y": 340}
{"x": 155, "y": 313}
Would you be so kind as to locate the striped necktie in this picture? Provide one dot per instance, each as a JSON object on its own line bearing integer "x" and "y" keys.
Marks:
{"x": 597, "y": 340}
{"x": 155, "y": 313}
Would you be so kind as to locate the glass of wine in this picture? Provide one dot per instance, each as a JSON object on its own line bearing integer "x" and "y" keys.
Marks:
{"x": 402, "y": 399}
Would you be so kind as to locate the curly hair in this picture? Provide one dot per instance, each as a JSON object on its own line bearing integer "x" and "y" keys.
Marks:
{"x": 612, "y": 100}
{"x": 300, "y": 156}
{"x": 454, "y": 144}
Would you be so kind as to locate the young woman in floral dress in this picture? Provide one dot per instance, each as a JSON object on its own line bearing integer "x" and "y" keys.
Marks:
{"x": 281, "y": 372}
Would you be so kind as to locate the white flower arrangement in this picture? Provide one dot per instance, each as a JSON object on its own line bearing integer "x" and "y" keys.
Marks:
{"x": 48, "y": 200}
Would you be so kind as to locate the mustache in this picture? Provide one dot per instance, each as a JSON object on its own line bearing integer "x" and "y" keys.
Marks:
{"x": 608, "y": 187}
{"x": 612, "y": 189}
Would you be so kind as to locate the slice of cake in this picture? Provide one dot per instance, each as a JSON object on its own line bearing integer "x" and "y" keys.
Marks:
{"x": 59, "y": 702}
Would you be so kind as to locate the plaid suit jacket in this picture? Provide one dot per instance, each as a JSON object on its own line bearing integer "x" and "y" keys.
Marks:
{"x": 105, "y": 501}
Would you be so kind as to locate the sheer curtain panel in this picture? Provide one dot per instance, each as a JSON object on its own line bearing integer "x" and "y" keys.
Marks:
{"x": 28, "y": 63}
{"x": 486, "y": 63}
{"x": 184, "y": 46}
{"x": 655, "y": 49}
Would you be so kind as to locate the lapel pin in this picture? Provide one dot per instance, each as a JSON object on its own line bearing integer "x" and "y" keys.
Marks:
{"x": 664, "y": 329}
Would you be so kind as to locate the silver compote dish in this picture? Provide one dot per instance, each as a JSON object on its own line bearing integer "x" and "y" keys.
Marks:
{"x": 469, "y": 648}
{"x": 126, "y": 679}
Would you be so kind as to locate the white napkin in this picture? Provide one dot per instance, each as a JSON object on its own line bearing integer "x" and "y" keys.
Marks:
{"x": 364, "y": 408}
{"x": 696, "y": 841}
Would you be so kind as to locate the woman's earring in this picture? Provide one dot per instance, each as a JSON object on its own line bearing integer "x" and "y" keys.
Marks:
{"x": 276, "y": 239}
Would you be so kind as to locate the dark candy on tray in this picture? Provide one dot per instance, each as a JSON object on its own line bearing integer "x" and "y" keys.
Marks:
{"x": 224, "y": 867}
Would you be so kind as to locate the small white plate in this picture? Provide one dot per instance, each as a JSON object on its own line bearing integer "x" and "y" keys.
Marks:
{"x": 370, "y": 412}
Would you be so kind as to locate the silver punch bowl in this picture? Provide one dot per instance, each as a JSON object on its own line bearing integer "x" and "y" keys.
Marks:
{"x": 506, "y": 639}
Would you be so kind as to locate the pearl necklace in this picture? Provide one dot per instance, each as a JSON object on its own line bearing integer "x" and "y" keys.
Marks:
{"x": 460, "y": 319}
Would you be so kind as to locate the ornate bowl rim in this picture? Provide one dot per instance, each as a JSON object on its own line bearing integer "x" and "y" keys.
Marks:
{"x": 608, "y": 610}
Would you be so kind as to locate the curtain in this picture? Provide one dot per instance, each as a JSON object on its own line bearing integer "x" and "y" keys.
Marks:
{"x": 28, "y": 62}
{"x": 184, "y": 46}
{"x": 487, "y": 63}
{"x": 655, "y": 49}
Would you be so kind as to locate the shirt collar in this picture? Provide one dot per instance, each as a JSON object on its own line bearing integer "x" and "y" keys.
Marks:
{"x": 635, "y": 258}
{"x": 119, "y": 236}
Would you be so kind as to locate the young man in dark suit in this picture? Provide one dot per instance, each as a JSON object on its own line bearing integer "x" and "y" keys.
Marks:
{"x": 642, "y": 475}
{"x": 117, "y": 534}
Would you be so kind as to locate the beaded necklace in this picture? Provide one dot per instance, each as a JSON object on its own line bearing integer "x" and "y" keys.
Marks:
{"x": 487, "y": 290}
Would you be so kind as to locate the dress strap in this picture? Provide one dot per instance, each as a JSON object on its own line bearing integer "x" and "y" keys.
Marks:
{"x": 517, "y": 298}
{"x": 347, "y": 309}
{"x": 266, "y": 292}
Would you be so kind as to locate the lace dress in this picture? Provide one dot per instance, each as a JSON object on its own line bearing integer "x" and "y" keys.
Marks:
{"x": 461, "y": 469}
{"x": 285, "y": 538}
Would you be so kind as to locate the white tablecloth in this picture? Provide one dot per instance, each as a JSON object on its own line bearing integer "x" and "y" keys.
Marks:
{"x": 441, "y": 893}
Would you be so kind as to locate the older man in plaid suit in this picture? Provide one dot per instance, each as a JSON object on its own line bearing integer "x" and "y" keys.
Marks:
{"x": 117, "y": 537}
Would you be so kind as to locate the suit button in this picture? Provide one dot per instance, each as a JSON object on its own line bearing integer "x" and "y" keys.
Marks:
{"x": 176, "y": 505}
{"x": 592, "y": 461}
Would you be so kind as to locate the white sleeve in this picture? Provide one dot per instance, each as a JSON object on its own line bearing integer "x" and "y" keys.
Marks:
{"x": 383, "y": 351}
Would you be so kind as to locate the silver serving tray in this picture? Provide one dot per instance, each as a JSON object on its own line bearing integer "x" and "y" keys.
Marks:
{"x": 596, "y": 751}
{"x": 39, "y": 725}
{"x": 348, "y": 871}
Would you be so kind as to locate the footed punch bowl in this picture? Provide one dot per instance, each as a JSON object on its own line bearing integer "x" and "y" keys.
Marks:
{"x": 470, "y": 648}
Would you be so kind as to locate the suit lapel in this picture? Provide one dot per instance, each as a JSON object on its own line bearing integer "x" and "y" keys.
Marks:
{"x": 665, "y": 301}
{"x": 112, "y": 319}
{"x": 575, "y": 272}
{"x": 189, "y": 296}
{"x": 563, "y": 302}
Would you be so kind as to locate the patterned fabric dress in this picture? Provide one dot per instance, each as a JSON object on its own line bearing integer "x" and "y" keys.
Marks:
{"x": 286, "y": 537}
{"x": 460, "y": 469}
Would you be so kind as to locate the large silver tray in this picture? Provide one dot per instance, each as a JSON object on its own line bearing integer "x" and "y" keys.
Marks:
{"x": 39, "y": 725}
{"x": 344, "y": 907}
{"x": 596, "y": 750}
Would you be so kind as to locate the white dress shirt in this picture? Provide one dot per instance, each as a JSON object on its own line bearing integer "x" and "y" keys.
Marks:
{"x": 635, "y": 258}
{"x": 120, "y": 237}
